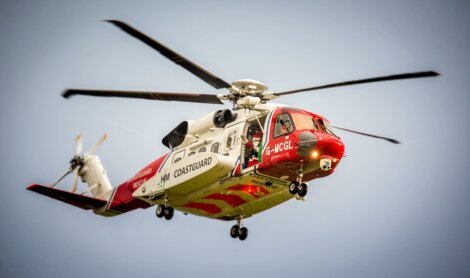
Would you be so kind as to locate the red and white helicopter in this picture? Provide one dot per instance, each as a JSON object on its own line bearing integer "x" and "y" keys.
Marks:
{"x": 228, "y": 165}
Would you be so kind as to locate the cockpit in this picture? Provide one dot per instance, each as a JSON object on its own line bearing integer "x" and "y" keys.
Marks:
{"x": 287, "y": 122}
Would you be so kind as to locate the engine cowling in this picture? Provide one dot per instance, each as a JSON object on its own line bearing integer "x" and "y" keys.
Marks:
{"x": 193, "y": 129}
{"x": 224, "y": 117}
{"x": 176, "y": 136}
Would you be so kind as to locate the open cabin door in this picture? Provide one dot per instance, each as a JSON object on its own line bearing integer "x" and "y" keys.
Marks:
{"x": 251, "y": 140}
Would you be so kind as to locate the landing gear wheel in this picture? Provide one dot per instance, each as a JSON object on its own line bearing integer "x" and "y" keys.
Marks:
{"x": 302, "y": 189}
{"x": 293, "y": 187}
{"x": 159, "y": 211}
{"x": 243, "y": 233}
{"x": 168, "y": 212}
{"x": 234, "y": 231}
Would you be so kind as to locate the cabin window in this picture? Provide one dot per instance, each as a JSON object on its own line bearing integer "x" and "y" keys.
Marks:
{"x": 283, "y": 125}
{"x": 215, "y": 147}
{"x": 201, "y": 150}
{"x": 231, "y": 139}
{"x": 192, "y": 153}
{"x": 303, "y": 121}
{"x": 178, "y": 156}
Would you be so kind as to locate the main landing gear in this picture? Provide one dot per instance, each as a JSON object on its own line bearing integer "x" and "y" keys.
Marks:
{"x": 164, "y": 211}
{"x": 239, "y": 231}
{"x": 298, "y": 187}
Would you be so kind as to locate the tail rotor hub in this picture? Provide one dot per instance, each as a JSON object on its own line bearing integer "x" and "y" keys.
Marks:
{"x": 76, "y": 162}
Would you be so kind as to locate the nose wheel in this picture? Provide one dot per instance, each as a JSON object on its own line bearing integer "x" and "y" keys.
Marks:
{"x": 237, "y": 231}
{"x": 298, "y": 187}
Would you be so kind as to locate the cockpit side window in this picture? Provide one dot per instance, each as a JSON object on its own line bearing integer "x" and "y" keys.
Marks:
{"x": 283, "y": 125}
{"x": 325, "y": 126}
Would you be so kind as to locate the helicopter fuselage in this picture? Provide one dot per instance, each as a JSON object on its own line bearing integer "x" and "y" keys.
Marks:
{"x": 216, "y": 175}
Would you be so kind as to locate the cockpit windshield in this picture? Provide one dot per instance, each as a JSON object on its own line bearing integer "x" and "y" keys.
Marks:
{"x": 303, "y": 121}
{"x": 307, "y": 122}
{"x": 287, "y": 122}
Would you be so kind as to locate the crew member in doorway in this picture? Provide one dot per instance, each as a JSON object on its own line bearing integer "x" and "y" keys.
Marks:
{"x": 250, "y": 151}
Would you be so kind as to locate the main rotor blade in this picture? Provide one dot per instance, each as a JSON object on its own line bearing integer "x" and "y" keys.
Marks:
{"x": 203, "y": 74}
{"x": 391, "y": 140}
{"x": 186, "y": 97}
{"x": 368, "y": 80}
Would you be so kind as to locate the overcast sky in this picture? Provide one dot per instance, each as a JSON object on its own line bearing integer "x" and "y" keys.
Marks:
{"x": 387, "y": 211}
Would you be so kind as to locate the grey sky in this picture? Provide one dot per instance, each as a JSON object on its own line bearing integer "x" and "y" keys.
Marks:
{"x": 387, "y": 211}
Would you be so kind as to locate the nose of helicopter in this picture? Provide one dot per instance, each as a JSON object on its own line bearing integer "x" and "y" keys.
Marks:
{"x": 307, "y": 141}
{"x": 317, "y": 146}
{"x": 327, "y": 152}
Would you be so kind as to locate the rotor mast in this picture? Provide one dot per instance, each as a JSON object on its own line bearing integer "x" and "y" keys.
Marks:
{"x": 247, "y": 93}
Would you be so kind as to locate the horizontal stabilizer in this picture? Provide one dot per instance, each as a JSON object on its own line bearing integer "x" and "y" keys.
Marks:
{"x": 81, "y": 201}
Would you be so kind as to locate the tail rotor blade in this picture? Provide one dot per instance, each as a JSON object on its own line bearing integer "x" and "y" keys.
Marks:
{"x": 61, "y": 178}
{"x": 78, "y": 144}
{"x": 96, "y": 146}
{"x": 75, "y": 180}
{"x": 391, "y": 140}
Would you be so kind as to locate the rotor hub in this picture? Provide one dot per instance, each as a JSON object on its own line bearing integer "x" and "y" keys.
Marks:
{"x": 249, "y": 87}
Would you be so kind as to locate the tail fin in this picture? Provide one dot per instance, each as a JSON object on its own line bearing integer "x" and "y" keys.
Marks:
{"x": 105, "y": 200}
{"x": 78, "y": 200}
{"x": 91, "y": 171}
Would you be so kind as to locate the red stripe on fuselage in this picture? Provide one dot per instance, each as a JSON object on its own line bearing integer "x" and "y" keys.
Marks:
{"x": 122, "y": 199}
{"x": 207, "y": 208}
{"x": 253, "y": 190}
{"x": 232, "y": 200}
